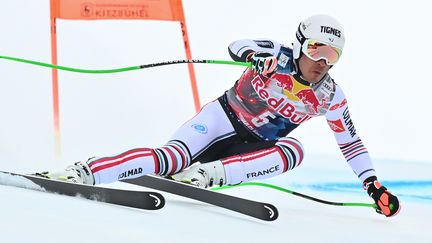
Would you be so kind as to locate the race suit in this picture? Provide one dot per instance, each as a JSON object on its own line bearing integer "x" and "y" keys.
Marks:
{"x": 247, "y": 127}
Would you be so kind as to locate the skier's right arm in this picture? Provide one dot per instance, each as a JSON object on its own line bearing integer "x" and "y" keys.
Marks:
{"x": 242, "y": 50}
{"x": 261, "y": 53}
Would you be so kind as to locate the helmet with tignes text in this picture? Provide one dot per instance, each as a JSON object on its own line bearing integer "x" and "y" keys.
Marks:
{"x": 321, "y": 28}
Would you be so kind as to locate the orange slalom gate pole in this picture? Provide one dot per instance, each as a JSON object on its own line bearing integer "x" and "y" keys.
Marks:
{"x": 165, "y": 10}
{"x": 55, "y": 84}
{"x": 191, "y": 69}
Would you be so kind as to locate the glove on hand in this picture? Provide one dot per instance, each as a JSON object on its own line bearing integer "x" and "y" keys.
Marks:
{"x": 388, "y": 204}
{"x": 263, "y": 63}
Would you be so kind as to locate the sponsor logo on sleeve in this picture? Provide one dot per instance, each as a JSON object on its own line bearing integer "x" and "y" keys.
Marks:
{"x": 264, "y": 44}
{"x": 340, "y": 105}
{"x": 283, "y": 60}
{"x": 348, "y": 122}
{"x": 337, "y": 126}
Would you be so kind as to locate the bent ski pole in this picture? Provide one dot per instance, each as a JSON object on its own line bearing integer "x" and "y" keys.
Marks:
{"x": 125, "y": 69}
{"x": 372, "y": 205}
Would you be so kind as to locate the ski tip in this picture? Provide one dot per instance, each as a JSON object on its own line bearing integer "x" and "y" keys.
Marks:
{"x": 273, "y": 213}
{"x": 159, "y": 200}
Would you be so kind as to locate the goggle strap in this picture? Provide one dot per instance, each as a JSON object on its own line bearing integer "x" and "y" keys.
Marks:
{"x": 299, "y": 35}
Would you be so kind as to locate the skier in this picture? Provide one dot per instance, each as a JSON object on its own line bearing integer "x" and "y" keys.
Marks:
{"x": 242, "y": 136}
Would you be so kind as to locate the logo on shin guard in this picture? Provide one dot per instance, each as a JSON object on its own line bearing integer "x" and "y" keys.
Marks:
{"x": 268, "y": 171}
{"x": 130, "y": 173}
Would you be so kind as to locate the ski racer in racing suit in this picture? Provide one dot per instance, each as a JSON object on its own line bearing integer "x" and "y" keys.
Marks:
{"x": 242, "y": 136}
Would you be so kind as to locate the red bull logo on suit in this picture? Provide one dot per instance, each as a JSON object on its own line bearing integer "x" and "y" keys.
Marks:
{"x": 300, "y": 92}
{"x": 308, "y": 97}
{"x": 280, "y": 105}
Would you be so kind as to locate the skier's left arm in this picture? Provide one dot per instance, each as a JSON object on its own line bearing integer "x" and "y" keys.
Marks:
{"x": 356, "y": 154}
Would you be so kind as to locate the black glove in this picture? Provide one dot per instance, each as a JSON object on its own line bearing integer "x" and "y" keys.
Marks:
{"x": 263, "y": 63}
{"x": 388, "y": 204}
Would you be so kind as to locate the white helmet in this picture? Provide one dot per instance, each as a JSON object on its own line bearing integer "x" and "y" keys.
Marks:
{"x": 322, "y": 28}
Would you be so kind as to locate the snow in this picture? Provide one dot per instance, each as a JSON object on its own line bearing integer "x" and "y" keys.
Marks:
{"x": 382, "y": 72}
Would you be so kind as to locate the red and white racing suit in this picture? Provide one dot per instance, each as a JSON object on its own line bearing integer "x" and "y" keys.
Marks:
{"x": 247, "y": 127}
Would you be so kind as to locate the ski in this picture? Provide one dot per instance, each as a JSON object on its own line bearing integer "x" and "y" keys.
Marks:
{"x": 128, "y": 198}
{"x": 259, "y": 210}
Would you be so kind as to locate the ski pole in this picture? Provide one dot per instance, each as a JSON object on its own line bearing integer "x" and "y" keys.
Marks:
{"x": 372, "y": 205}
{"x": 124, "y": 69}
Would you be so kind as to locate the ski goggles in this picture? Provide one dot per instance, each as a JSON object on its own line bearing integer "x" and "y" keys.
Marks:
{"x": 316, "y": 51}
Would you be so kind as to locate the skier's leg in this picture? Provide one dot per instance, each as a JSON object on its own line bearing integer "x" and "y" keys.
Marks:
{"x": 209, "y": 126}
{"x": 284, "y": 155}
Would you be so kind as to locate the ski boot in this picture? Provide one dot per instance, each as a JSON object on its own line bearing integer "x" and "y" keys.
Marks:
{"x": 203, "y": 175}
{"x": 77, "y": 173}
